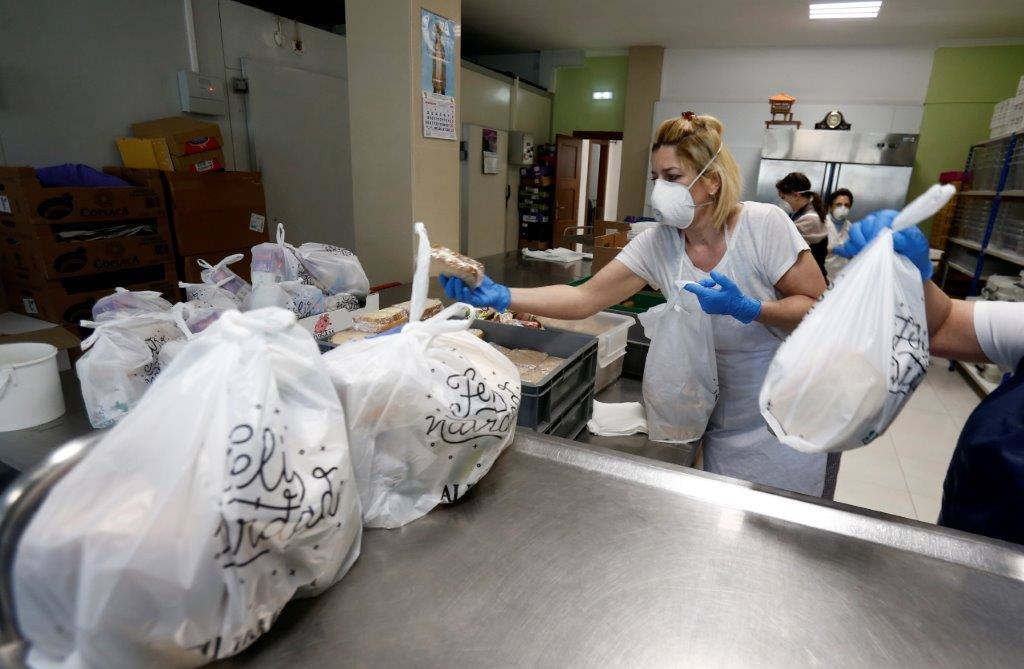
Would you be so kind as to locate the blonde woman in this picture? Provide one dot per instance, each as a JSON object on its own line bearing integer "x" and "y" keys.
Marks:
{"x": 756, "y": 278}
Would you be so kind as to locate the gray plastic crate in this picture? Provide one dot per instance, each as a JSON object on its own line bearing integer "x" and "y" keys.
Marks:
{"x": 549, "y": 399}
{"x": 574, "y": 418}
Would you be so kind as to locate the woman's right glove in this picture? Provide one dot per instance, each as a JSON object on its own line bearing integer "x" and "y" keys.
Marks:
{"x": 910, "y": 242}
{"x": 488, "y": 294}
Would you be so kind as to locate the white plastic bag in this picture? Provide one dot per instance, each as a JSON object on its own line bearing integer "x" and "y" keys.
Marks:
{"x": 333, "y": 269}
{"x": 180, "y": 537}
{"x": 680, "y": 384}
{"x": 845, "y": 373}
{"x": 273, "y": 262}
{"x": 123, "y": 302}
{"x": 304, "y": 299}
{"x": 219, "y": 275}
{"x": 208, "y": 296}
{"x": 121, "y": 360}
{"x": 429, "y": 409}
{"x": 299, "y": 298}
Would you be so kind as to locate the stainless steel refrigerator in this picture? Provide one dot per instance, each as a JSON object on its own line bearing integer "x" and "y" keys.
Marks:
{"x": 874, "y": 166}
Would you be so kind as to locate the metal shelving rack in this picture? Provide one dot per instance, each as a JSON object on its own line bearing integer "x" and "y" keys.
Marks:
{"x": 987, "y": 233}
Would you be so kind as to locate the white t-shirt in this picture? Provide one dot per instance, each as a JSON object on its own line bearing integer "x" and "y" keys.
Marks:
{"x": 761, "y": 248}
{"x": 1000, "y": 330}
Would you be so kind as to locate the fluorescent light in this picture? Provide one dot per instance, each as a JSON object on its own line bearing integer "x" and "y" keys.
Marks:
{"x": 845, "y": 10}
{"x": 602, "y": 95}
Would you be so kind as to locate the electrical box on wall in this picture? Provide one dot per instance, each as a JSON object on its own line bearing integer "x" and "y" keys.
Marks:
{"x": 201, "y": 94}
{"x": 520, "y": 148}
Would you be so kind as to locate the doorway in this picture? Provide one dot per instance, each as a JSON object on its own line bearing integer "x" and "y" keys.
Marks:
{"x": 586, "y": 181}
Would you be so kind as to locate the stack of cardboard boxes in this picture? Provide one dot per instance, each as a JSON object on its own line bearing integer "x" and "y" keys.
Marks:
{"x": 213, "y": 213}
{"x": 65, "y": 247}
{"x": 178, "y": 144}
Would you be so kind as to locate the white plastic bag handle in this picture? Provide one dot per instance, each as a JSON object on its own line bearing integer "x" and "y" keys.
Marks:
{"x": 224, "y": 262}
{"x": 421, "y": 276}
{"x": 926, "y": 205}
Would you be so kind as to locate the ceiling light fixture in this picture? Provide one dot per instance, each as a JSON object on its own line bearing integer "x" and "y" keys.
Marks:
{"x": 602, "y": 95}
{"x": 845, "y": 10}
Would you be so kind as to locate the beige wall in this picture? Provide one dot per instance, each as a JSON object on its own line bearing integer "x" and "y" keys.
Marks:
{"x": 398, "y": 176}
{"x": 533, "y": 114}
{"x": 485, "y": 100}
{"x": 435, "y": 176}
{"x": 643, "y": 89}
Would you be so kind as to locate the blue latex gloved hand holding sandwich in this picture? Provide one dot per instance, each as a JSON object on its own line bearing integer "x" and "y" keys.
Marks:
{"x": 487, "y": 294}
{"x": 910, "y": 242}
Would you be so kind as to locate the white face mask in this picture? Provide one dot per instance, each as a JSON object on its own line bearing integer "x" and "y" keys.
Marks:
{"x": 786, "y": 207}
{"x": 673, "y": 203}
{"x": 840, "y": 212}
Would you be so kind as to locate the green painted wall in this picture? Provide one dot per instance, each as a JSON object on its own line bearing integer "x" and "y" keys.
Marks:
{"x": 965, "y": 84}
{"x": 574, "y": 107}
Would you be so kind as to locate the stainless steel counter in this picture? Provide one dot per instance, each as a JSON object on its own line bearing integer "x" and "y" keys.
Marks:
{"x": 630, "y": 390}
{"x": 566, "y": 555}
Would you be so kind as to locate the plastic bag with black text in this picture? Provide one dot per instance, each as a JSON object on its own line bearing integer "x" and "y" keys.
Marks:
{"x": 225, "y": 493}
{"x": 333, "y": 269}
{"x": 845, "y": 373}
{"x": 429, "y": 409}
{"x": 122, "y": 359}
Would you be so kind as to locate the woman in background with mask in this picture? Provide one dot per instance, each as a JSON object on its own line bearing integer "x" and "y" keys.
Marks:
{"x": 753, "y": 274}
{"x": 837, "y": 225}
{"x": 804, "y": 206}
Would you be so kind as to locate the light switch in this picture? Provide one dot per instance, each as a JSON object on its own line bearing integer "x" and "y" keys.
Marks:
{"x": 201, "y": 94}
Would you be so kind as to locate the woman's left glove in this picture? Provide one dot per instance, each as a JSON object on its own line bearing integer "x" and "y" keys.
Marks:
{"x": 727, "y": 300}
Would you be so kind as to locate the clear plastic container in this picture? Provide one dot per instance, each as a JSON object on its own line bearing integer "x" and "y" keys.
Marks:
{"x": 610, "y": 329}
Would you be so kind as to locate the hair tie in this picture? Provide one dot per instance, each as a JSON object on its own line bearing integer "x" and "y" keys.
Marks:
{"x": 688, "y": 115}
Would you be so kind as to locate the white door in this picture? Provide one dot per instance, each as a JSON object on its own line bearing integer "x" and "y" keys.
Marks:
{"x": 298, "y": 130}
{"x": 483, "y": 196}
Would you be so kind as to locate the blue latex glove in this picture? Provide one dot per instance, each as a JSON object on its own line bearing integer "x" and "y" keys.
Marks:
{"x": 728, "y": 300}
{"x": 489, "y": 294}
{"x": 910, "y": 242}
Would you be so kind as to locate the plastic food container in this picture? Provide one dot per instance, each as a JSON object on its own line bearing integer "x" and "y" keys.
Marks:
{"x": 610, "y": 329}
{"x": 30, "y": 392}
{"x": 545, "y": 402}
{"x": 612, "y": 332}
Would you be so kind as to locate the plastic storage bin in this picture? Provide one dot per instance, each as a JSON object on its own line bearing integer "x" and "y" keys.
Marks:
{"x": 542, "y": 403}
{"x": 609, "y": 370}
{"x": 610, "y": 329}
{"x": 573, "y": 419}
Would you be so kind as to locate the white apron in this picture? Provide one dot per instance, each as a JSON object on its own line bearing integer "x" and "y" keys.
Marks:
{"x": 737, "y": 442}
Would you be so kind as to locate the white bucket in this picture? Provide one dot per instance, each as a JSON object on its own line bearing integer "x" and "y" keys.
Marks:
{"x": 30, "y": 392}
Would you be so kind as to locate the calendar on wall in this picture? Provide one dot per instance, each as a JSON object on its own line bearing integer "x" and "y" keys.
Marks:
{"x": 438, "y": 116}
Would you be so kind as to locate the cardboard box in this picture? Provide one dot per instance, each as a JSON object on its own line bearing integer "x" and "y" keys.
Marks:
{"x": 69, "y": 301}
{"x": 49, "y": 254}
{"x": 323, "y": 326}
{"x": 606, "y": 247}
{"x": 184, "y": 136}
{"x": 24, "y": 202}
{"x": 199, "y": 163}
{"x": 189, "y": 269}
{"x": 212, "y": 212}
{"x": 145, "y": 153}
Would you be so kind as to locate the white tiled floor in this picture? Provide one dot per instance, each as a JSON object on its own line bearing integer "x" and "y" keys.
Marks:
{"x": 902, "y": 471}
